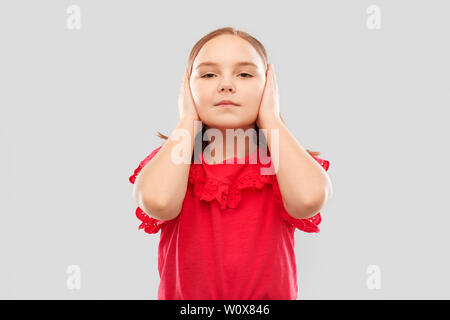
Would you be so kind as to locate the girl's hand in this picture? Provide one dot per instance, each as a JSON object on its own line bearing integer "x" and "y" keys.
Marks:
{"x": 186, "y": 104}
{"x": 270, "y": 102}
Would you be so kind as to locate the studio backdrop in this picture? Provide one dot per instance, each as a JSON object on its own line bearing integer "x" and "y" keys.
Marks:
{"x": 85, "y": 86}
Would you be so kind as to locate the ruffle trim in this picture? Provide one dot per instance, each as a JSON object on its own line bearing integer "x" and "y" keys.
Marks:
{"x": 142, "y": 164}
{"x": 310, "y": 224}
{"x": 228, "y": 195}
{"x": 324, "y": 163}
{"x": 149, "y": 224}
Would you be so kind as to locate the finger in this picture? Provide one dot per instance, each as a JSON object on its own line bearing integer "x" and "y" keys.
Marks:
{"x": 271, "y": 71}
{"x": 186, "y": 74}
{"x": 186, "y": 83}
{"x": 186, "y": 79}
{"x": 269, "y": 77}
{"x": 183, "y": 82}
{"x": 274, "y": 78}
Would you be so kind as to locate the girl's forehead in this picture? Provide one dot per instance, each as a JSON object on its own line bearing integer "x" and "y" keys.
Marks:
{"x": 225, "y": 58}
{"x": 227, "y": 50}
{"x": 226, "y": 41}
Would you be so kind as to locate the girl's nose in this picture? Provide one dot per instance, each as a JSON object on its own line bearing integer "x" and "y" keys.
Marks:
{"x": 226, "y": 88}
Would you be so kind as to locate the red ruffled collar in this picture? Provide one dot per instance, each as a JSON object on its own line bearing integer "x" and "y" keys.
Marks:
{"x": 224, "y": 181}
{"x": 227, "y": 186}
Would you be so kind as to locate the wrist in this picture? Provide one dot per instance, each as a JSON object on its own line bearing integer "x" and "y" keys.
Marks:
{"x": 270, "y": 121}
{"x": 189, "y": 119}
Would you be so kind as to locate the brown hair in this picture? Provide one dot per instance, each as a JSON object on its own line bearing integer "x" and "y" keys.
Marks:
{"x": 244, "y": 35}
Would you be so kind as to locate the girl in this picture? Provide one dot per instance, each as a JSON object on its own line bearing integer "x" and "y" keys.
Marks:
{"x": 227, "y": 230}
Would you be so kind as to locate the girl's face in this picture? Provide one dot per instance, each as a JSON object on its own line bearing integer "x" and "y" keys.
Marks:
{"x": 227, "y": 79}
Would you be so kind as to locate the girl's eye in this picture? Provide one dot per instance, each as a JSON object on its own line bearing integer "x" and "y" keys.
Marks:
{"x": 205, "y": 76}
{"x": 247, "y": 75}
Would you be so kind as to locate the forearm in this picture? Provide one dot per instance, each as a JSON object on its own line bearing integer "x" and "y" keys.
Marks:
{"x": 162, "y": 183}
{"x": 304, "y": 184}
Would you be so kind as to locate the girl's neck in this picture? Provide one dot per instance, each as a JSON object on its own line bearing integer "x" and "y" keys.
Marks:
{"x": 235, "y": 147}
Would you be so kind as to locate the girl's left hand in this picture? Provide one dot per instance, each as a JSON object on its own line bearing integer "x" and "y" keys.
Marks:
{"x": 270, "y": 102}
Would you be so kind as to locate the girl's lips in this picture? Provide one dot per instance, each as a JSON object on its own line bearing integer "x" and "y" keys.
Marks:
{"x": 226, "y": 105}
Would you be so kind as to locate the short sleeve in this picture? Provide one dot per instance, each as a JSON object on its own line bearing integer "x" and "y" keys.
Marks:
{"x": 311, "y": 224}
{"x": 149, "y": 224}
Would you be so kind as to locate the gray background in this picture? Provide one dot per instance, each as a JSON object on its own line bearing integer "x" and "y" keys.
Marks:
{"x": 79, "y": 110}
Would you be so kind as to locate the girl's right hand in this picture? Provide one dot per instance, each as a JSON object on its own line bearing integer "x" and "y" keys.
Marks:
{"x": 186, "y": 104}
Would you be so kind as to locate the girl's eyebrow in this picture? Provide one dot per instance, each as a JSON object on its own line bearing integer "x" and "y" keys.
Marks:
{"x": 241, "y": 63}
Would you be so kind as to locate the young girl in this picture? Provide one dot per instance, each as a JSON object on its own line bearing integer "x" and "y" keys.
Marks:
{"x": 227, "y": 229}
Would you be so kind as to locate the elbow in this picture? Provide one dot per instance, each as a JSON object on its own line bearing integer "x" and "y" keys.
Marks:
{"x": 308, "y": 208}
{"x": 159, "y": 211}
{"x": 154, "y": 208}
{"x": 314, "y": 204}
{"x": 303, "y": 212}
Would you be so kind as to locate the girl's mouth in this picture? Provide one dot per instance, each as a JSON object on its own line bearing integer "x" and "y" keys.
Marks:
{"x": 226, "y": 103}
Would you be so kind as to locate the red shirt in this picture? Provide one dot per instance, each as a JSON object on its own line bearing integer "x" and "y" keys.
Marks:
{"x": 233, "y": 239}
